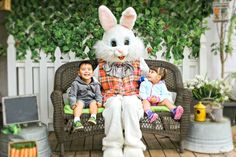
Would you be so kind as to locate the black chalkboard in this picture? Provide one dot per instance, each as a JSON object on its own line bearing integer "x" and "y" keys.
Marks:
{"x": 20, "y": 109}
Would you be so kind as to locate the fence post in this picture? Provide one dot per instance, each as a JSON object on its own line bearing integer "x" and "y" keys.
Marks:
{"x": 28, "y": 73}
{"x": 171, "y": 60}
{"x": 203, "y": 56}
{"x": 11, "y": 66}
{"x": 71, "y": 56}
{"x": 57, "y": 62}
{"x": 185, "y": 64}
{"x": 43, "y": 87}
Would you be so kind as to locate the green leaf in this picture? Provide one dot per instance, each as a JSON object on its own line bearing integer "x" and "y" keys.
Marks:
{"x": 38, "y": 24}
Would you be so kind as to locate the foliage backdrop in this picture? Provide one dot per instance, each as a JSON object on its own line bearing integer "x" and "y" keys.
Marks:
{"x": 67, "y": 23}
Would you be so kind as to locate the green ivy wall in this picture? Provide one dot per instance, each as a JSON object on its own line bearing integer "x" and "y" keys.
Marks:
{"x": 66, "y": 23}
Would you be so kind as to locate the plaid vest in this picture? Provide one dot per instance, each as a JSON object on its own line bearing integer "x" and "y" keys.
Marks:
{"x": 125, "y": 86}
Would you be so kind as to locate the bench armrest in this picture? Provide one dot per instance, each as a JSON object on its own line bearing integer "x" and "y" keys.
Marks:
{"x": 184, "y": 98}
{"x": 58, "y": 114}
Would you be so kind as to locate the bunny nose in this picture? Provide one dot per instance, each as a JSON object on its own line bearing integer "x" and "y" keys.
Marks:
{"x": 120, "y": 51}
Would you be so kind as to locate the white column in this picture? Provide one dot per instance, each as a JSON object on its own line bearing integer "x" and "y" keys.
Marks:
{"x": 203, "y": 56}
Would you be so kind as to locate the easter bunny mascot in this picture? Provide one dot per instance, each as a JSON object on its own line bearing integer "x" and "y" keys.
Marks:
{"x": 120, "y": 64}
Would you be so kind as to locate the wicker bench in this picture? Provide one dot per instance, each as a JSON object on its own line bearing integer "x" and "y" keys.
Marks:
{"x": 165, "y": 125}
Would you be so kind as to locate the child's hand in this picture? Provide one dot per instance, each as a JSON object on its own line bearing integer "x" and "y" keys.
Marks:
{"x": 99, "y": 104}
{"x": 154, "y": 99}
{"x": 73, "y": 106}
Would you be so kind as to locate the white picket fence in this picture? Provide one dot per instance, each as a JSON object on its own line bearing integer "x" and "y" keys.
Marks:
{"x": 28, "y": 77}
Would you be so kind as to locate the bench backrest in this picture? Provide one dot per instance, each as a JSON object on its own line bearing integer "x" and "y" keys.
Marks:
{"x": 66, "y": 74}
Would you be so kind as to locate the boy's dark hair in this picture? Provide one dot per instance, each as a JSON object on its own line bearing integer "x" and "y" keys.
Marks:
{"x": 85, "y": 62}
{"x": 160, "y": 71}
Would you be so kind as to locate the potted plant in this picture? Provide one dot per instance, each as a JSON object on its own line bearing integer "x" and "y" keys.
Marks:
{"x": 212, "y": 93}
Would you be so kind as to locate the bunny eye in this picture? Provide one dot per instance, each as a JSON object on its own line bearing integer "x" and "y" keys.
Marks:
{"x": 126, "y": 42}
{"x": 113, "y": 43}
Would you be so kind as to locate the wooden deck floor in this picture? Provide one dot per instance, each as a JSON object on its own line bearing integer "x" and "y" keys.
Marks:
{"x": 158, "y": 146}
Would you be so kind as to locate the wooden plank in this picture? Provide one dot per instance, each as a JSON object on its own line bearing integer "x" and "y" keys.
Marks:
{"x": 36, "y": 81}
{"x": 175, "y": 143}
{"x": 11, "y": 67}
{"x": 28, "y": 72}
{"x": 143, "y": 140}
{"x": 58, "y": 61}
{"x": 186, "y": 69}
{"x": 201, "y": 155}
{"x": 218, "y": 155}
{"x": 156, "y": 153}
{"x": 171, "y": 153}
{"x": 88, "y": 144}
{"x": 82, "y": 154}
{"x": 187, "y": 154}
{"x": 151, "y": 141}
{"x": 43, "y": 95}
{"x": 55, "y": 154}
{"x": 97, "y": 142}
{"x": 69, "y": 154}
{"x": 96, "y": 153}
{"x": 67, "y": 145}
{"x": 78, "y": 144}
{"x": 231, "y": 153}
{"x": 52, "y": 141}
{"x": 48, "y": 104}
{"x": 146, "y": 153}
{"x": 165, "y": 143}
{"x": 21, "y": 81}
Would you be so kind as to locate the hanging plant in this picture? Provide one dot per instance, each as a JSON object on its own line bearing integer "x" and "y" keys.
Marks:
{"x": 73, "y": 25}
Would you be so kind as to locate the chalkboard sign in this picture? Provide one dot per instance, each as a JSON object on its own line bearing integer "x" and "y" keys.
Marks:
{"x": 20, "y": 109}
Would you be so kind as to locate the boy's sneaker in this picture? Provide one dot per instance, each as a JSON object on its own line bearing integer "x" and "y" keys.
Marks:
{"x": 92, "y": 120}
{"x": 153, "y": 118}
{"x": 77, "y": 126}
{"x": 177, "y": 112}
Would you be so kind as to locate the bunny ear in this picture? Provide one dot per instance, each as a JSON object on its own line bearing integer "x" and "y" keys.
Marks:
{"x": 128, "y": 18}
{"x": 107, "y": 19}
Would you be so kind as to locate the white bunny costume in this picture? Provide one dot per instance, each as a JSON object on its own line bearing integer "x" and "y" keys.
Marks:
{"x": 120, "y": 65}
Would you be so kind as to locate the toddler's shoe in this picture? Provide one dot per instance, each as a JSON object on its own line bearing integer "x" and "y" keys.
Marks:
{"x": 92, "y": 121}
{"x": 77, "y": 126}
{"x": 177, "y": 112}
{"x": 153, "y": 118}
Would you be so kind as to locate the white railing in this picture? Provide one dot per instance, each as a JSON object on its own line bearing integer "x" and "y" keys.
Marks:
{"x": 29, "y": 77}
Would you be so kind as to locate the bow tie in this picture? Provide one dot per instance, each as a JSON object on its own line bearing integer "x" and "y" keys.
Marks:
{"x": 119, "y": 70}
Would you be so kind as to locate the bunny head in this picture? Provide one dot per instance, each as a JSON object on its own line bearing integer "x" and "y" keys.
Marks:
{"x": 119, "y": 43}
